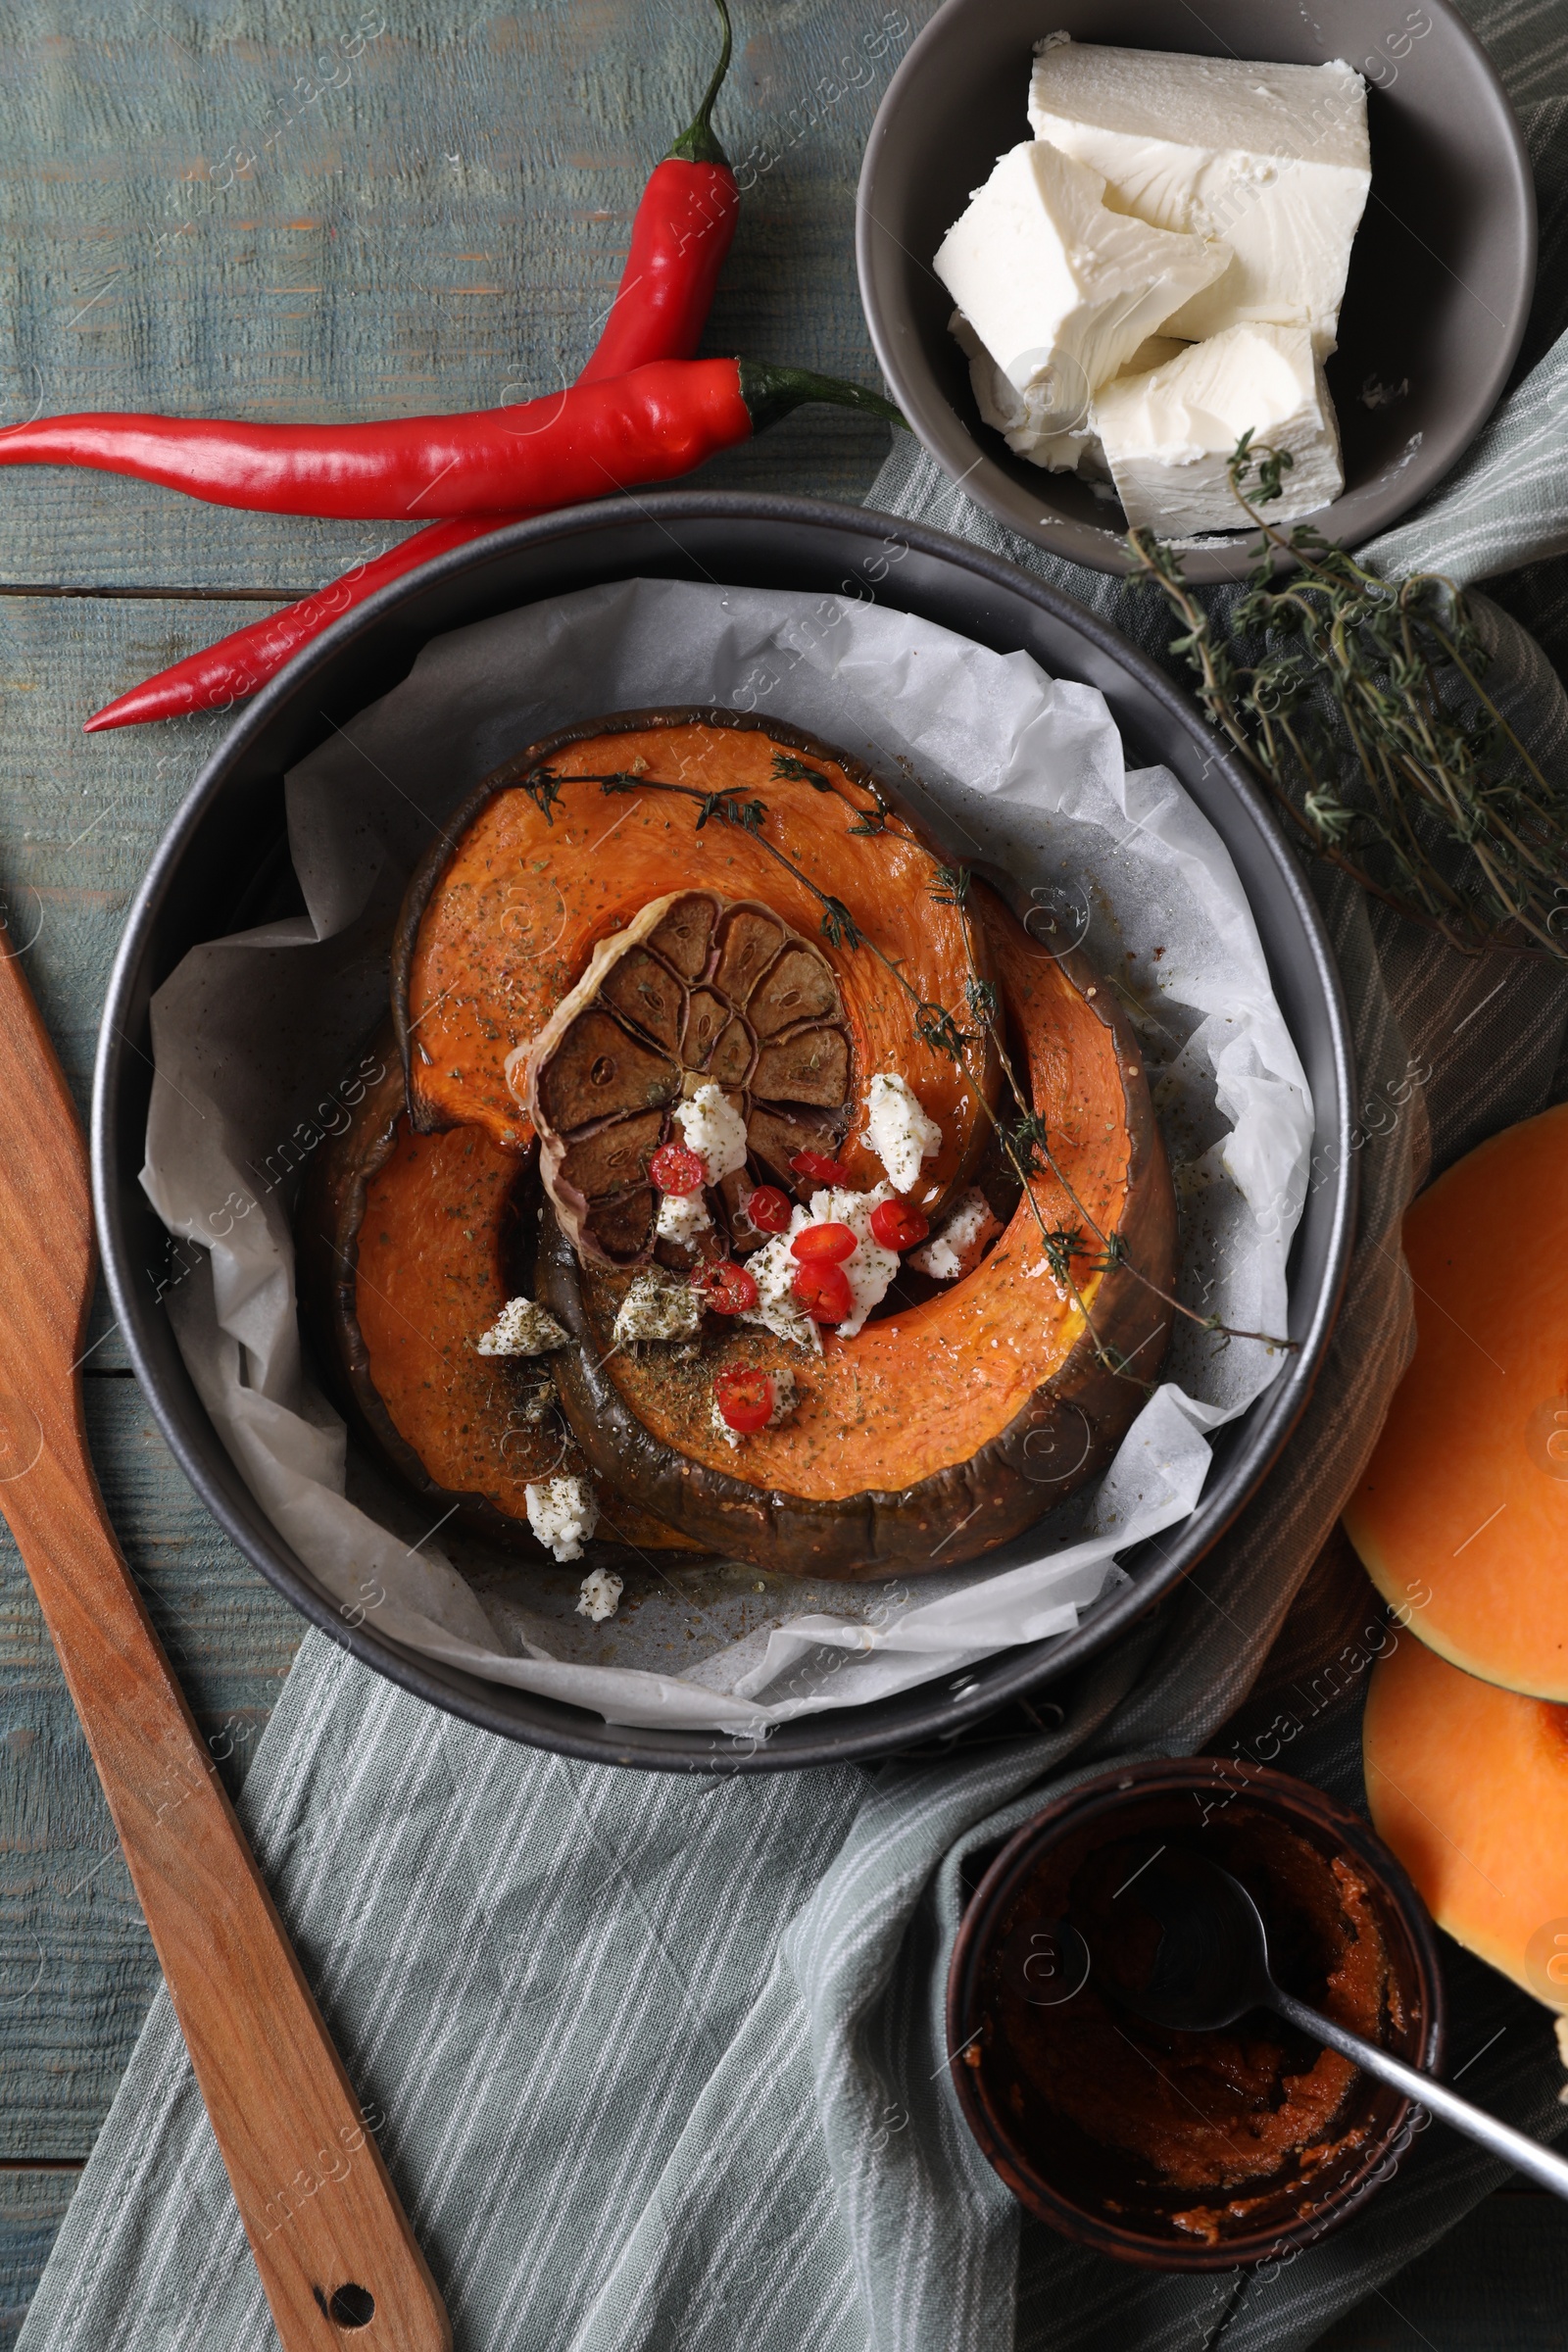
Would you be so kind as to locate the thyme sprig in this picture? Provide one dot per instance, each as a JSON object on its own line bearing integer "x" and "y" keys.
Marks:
{"x": 1365, "y": 719}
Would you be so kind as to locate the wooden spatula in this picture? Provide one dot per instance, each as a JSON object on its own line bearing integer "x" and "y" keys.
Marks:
{"x": 332, "y": 2244}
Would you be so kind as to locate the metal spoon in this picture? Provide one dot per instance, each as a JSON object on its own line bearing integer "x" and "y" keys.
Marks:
{"x": 1211, "y": 1967}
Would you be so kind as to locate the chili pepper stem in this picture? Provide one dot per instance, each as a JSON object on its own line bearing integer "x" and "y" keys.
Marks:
{"x": 770, "y": 393}
{"x": 698, "y": 143}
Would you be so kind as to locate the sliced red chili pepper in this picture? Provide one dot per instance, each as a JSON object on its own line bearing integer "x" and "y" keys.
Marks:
{"x": 745, "y": 1400}
{"x": 822, "y": 1288}
{"x": 830, "y": 1242}
{"x": 818, "y": 1167}
{"x": 725, "y": 1287}
{"x": 766, "y": 1209}
{"x": 677, "y": 1169}
{"x": 897, "y": 1226}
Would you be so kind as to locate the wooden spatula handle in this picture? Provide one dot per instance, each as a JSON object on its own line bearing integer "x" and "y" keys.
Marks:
{"x": 336, "y": 2256}
{"x": 332, "y": 2244}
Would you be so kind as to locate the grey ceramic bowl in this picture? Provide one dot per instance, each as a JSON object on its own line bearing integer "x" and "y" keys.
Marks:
{"x": 1440, "y": 277}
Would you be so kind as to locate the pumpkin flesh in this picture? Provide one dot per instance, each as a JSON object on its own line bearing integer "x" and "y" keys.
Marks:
{"x": 500, "y": 927}
{"x": 1466, "y": 1495}
{"x": 1468, "y": 1784}
{"x": 410, "y": 1247}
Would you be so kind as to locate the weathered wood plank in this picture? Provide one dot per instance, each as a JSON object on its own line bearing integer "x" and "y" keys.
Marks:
{"x": 184, "y": 226}
{"x": 33, "y": 2205}
{"x": 77, "y": 1969}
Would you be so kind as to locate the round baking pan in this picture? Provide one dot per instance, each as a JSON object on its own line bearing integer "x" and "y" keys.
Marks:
{"x": 232, "y": 827}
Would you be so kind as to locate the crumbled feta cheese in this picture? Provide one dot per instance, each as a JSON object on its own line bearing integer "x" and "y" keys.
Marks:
{"x": 785, "y": 1399}
{"x": 714, "y": 1130}
{"x": 869, "y": 1270}
{"x": 657, "y": 1308}
{"x": 563, "y": 1513}
{"x": 956, "y": 1249}
{"x": 778, "y": 1309}
{"x": 602, "y": 1589}
{"x": 901, "y": 1134}
{"x": 522, "y": 1328}
{"x": 682, "y": 1216}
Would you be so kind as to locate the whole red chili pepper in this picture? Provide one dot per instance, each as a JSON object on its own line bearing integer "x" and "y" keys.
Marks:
{"x": 678, "y": 242}
{"x": 650, "y": 426}
{"x": 679, "y": 238}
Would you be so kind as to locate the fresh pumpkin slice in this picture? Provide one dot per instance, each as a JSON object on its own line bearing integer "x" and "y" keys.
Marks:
{"x": 543, "y": 865}
{"x": 1467, "y": 1490}
{"x": 953, "y": 1421}
{"x": 1468, "y": 1784}
{"x": 410, "y": 1247}
{"x": 695, "y": 991}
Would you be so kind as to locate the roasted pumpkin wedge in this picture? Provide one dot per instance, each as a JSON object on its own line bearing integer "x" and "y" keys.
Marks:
{"x": 562, "y": 849}
{"x": 694, "y": 991}
{"x": 951, "y": 1423}
{"x": 409, "y": 1246}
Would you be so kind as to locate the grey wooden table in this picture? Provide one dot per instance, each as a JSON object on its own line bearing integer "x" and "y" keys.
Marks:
{"x": 291, "y": 211}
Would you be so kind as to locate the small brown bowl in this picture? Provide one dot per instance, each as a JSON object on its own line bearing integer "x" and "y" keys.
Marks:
{"x": 1007, "y": 1963}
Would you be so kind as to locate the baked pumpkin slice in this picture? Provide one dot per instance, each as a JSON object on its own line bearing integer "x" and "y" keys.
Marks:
{"x": 944, "y": 1426}
{"x": 410, "y": 1247}
{"x": 565, "y": 847}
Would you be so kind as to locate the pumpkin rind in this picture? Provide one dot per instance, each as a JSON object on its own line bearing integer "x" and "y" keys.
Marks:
{"x": 442, "y": 1418}
{"x": 1032, "y": 1455}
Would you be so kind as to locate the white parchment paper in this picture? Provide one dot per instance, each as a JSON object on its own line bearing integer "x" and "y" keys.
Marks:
{"x": 257, "y": 1038}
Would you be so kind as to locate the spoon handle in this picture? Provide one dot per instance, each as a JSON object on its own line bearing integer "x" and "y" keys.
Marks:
{"x": 1526, "y": 2155}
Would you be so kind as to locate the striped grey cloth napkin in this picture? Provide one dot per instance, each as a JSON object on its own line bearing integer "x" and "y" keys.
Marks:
{"x": 657, "y": 2061}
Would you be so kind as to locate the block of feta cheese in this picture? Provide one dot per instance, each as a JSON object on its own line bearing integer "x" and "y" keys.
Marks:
{"x": 1274, "y": 160}
{"x": 563, "y": 1513}
{"x": 1060, "y": 290}
{"x": 1167, "y": 435}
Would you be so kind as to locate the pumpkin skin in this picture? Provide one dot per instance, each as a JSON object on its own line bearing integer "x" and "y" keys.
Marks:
{"x": 941, "y": 1430}
{"x": 500, "y": 921}
{"x": 1467, "y": 1490}
{"x": 1468, "y": 1784}
{"x": 409, "y": 1245}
